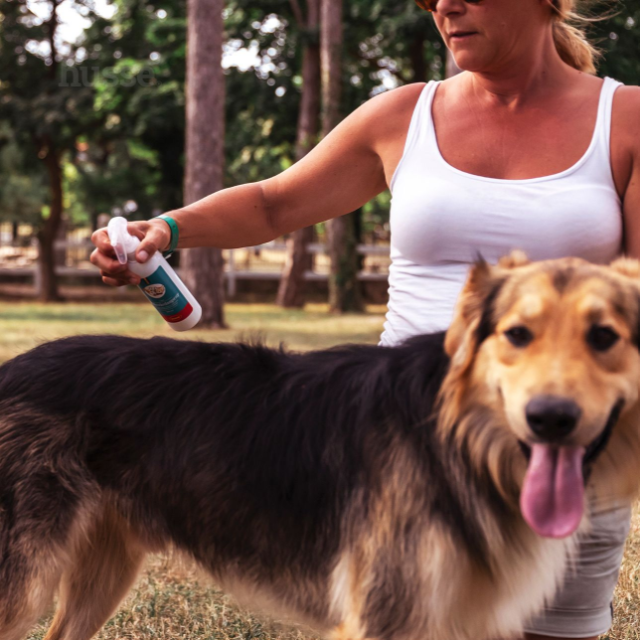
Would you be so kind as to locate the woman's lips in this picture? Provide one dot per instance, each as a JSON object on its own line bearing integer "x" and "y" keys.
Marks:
{"x": 461, "y": 35}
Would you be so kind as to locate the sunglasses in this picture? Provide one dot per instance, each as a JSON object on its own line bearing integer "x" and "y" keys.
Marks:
{"x": 432, "y": 5}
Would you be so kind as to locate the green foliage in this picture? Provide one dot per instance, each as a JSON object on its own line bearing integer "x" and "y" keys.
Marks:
{"x": 114, "y": 102}
{"x": 139, "y": 59}
{"x": 22, "y": 190}
{"x": 32, "y": 98}
{"x": 385, "y": 43}
{"x": 260, "y": 136}
{"x": 619, "y": 40}
{"x": 41, "y": 113}
{"x": 263, "y": 101}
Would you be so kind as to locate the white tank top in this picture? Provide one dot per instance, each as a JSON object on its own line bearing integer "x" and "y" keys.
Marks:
{"x": 442, "y": 217}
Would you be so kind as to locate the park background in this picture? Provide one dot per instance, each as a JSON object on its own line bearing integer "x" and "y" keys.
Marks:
{"x": 97, "y": 119}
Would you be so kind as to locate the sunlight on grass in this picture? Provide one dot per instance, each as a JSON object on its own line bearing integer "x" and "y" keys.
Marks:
{"x": 24, "y": 325}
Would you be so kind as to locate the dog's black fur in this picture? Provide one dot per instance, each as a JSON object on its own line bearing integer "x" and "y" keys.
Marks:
{"x": 240, "y": 455}
{"x": 261, "y": 445}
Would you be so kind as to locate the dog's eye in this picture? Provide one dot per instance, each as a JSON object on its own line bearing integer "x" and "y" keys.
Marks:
{"x": 602, "y": 338}
{"x": 519, "y": 336}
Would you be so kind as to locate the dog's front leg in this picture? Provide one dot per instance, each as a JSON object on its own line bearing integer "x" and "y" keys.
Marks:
{"x": 102, "y": 570}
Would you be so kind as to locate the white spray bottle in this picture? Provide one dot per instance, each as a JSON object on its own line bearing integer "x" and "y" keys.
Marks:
{"x": 159, "y": 282}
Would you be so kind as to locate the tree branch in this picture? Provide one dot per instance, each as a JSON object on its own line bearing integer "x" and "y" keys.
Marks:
{"x": 297, "y": 12}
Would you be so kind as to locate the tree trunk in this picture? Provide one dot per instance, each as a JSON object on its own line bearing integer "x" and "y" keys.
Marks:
{"x": 344, "y": 288}
{"x": 47, "y": 283}
{"x": 203, "y": 268}
{"x": 331, "y": 36}
{"x": 93, "y": 214}
{"x": 416, "y": 55}
{"x": 46, "y": 279}
{"x": 292, "y": 283}
{"x": 291, "y": 291}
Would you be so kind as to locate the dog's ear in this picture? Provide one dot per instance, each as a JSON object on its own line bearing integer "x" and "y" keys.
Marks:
{"x": 472, "y": 323}
{"x": 472, "y": 319}
{"x": 514, "y": 260}
{"x": 630, "y": 268}
{"x": 625, "y": 266}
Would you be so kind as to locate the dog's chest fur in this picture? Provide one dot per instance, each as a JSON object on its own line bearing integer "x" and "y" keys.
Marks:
{"x": 409, "y": 573}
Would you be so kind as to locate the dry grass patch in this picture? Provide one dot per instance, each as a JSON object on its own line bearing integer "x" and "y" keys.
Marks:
{"x": 173, "y": 600}
{"x": 626, "y": 624}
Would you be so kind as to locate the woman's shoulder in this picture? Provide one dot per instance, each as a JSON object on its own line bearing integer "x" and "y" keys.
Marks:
{"x": 395, "y": 101}
{"x": 626, "y": 115}
{"x": 625, "y": 141}
{"x": 387, "y": 115}
{"x": 380, "y": 119}
{"x": 627, "y": 102}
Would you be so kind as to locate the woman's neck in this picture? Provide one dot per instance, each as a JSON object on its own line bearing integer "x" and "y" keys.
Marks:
{"x": 520, "y": 80}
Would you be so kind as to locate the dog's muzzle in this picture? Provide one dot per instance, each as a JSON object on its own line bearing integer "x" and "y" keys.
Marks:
{"x": 552, "y": 496}
{"x": 596, "y": 447}
{"x": 552, "y": 418}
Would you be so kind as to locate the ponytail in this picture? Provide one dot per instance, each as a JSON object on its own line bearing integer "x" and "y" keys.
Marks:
{"x": 570, "y": 38}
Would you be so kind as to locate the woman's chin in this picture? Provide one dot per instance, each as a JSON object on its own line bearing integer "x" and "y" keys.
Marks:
{"x": 468, "y": 61}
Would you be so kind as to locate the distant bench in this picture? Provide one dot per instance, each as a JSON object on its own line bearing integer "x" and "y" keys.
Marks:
{"x": 231, "y": 274}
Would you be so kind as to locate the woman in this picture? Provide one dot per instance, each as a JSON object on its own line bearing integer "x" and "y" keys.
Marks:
{"x": 525, "y": 149}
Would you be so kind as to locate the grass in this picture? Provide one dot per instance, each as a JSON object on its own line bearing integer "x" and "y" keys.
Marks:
{"x": 172, "y": 599}
{"x": 24, "y": 325}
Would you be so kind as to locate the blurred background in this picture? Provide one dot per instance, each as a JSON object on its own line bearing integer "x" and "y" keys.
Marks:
{"x": 93, "y": 97}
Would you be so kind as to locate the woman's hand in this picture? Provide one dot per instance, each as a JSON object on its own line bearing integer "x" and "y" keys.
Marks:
{"x": 155, "y": 235}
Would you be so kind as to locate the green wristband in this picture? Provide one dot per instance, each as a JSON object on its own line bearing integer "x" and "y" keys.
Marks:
{"x": 173, "y": 226}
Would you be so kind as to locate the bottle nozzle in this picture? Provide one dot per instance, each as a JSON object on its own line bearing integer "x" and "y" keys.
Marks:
{"x": 121, "y": 240}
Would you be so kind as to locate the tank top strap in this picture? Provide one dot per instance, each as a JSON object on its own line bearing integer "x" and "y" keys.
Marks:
{"x": 603, "y": 123}
{"x": 420, "y": 134}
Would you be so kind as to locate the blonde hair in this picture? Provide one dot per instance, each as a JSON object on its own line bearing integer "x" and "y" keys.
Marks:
{"x": 570, "y": 38}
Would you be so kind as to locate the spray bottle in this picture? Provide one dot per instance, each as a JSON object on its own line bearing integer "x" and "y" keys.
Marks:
{"x": 159, "y": 282}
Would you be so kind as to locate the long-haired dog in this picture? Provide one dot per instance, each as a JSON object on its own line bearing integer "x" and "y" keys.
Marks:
{"x": 430, "y": 490}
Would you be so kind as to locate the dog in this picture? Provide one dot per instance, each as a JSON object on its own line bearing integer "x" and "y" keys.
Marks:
{"x": 431, "y": 490}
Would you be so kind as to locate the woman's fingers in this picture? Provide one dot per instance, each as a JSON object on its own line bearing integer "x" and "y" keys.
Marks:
{"x": 106, "y": 262}
{"x": 119, "y": 279}
{"x": 113, "y": 273}
{"x": 101, "y": 239}
{"x": 155, "y": 235}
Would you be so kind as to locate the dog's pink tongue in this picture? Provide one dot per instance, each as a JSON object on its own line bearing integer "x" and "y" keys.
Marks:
{"x": 552, "y": 498}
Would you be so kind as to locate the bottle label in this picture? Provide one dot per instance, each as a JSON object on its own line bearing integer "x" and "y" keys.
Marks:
{"x": 164, "y": 295}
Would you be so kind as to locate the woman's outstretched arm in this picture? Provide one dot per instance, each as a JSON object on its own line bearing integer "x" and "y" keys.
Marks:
{"x": 339, "y": 175}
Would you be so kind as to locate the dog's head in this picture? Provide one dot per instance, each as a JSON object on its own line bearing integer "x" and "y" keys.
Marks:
{"x": 550, "y": 351}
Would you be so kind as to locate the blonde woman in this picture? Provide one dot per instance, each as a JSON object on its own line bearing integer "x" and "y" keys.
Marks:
{"x": 524, "y": 149}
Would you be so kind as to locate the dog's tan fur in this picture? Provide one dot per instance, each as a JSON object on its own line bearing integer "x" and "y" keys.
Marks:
{"x": 484, "y": 395}
{"x": 557, "y": 362}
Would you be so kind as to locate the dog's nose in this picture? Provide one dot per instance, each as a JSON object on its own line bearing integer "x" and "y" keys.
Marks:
{"x": 552, "y": 417}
